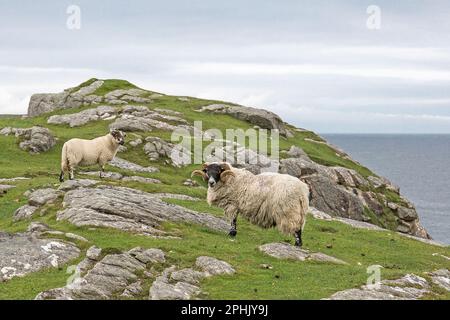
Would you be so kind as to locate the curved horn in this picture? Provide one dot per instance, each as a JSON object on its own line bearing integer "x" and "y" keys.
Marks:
{"x": 225, "y": 166}
{"x": 199, "y": 173}
{"x": 225, "y": 175}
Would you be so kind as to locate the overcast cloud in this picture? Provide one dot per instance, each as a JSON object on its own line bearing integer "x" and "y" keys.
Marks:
{"x": 313, "y": 62}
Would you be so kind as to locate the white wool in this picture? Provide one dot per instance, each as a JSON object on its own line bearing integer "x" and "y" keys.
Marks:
{"x": 267, "y": 199}
{"x": 81, "y": 152}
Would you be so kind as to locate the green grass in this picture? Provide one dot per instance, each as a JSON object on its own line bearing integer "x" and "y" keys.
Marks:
{"x": 113, "y": 84}
{"x": 287, "y": 279}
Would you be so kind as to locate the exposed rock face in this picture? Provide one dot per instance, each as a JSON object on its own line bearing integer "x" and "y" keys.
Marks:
{"x": 409, "y": 287}
{"x": 241, "y": 157}
{"x": 141, "y": 118}
{"x": 43, "y": 196}
{"x": 118, "y": 275}
{"x": 119, "y": 176}
{"x": 24, "y": 212}
{"x": 260, "y": 117}
{"x": 345, "y": 193}
{"x": 182, "y": 284}
{"x": 163, "y": 289}
{"x": 47, "y": 102}
{"x": 114, "y": 275}
{"x": 83, "y": 117}
{"x": 36, "y": 199}
{"x": 441, "y": 278}
{"x": 121, "y": 96}
{"x": 129, "y": 210}
{"x": 127, "y": 165}
{"x": 286, "y": 251}
{"x": 34, "y": 140}
{"x": 74, "y": 184}
{"x": 136, "y": 142}
{"x": 23, "y": 253}
{"x": 212, "y": 266}
{"x": 37, "y": 140}
{"x": 156, "y": 148}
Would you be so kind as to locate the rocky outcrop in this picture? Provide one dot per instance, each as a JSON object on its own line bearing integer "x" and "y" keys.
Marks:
{"x": 345, "y": 193}
{"x": 35, "y": 140}
{"x": 36, "y": 199}
{"x": 259, "y": 117}
{"x": 240, "y": 157}
{"x": 23, "y": 253}
{"x": 183, "y": 284}
{"x": 101, "y": 277}
{"x": 441, "y": 278}
{"x": 286, "y": 251}
{"x": 156, "y": 148}
{"x": 129, "y": 210}
{"x": 79, "y": 183}
{"x": 24, "y": 212}
{"x": 41, "y": 197}
{"x": 83, "y": 117}
{"x": 121, "y": 96}
{"x": 119, "y": 176}
{"x": 141, "y": 118}
{"x": 47, "y": 102}
{"x": 112, "y": 276}
{"x": 76, "y": 97}
{"x": 409, "y": 287}
{"x": 127, "y": 165}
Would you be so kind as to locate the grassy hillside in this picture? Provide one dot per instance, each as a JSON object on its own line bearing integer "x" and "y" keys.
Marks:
{"x": 287, "y": 280}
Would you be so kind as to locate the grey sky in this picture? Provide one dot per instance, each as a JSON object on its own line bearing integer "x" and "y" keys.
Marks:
{"x": 313, "y": 62}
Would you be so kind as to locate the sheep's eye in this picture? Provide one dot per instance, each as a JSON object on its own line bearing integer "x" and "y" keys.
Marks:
{"x": 204, "y": 170}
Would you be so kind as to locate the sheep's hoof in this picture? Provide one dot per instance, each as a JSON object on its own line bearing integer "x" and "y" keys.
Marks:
{"x": 232, "y": 233}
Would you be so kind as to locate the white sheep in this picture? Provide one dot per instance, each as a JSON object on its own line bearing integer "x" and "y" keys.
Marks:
{"x": 81, "y": 152}
{"x": 267, "y": 200}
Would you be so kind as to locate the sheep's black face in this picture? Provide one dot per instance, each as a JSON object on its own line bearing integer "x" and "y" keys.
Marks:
{"x": 213, "y": 172}
{"x": 119, "y": 136}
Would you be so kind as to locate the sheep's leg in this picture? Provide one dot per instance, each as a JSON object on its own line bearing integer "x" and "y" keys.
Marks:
{"x": 233, "y": 230}
{"x": 61, "y": 176}
{"x": 298, "y": 238}
{"x": 102, "y": 171}
{"x": 71, "y": 175}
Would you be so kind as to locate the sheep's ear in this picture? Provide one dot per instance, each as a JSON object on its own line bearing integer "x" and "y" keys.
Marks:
{"x": 225, "y": 166}
{"x": 205, "y": 165}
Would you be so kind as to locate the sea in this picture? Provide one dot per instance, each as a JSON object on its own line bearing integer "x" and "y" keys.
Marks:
{"x": 418, "y": 164}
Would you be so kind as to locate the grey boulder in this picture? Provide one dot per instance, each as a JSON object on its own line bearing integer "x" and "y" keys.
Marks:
{"x": 23, "y": 253}
{"x": 130, "y": 210}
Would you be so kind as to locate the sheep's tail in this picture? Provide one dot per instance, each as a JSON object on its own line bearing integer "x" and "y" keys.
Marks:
{"x": 64, "y": 162}
{"x": 304, "y": 205}
{"x": 309, "y": 189}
